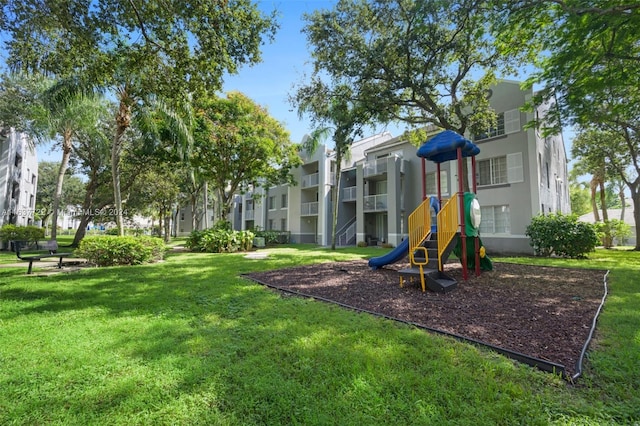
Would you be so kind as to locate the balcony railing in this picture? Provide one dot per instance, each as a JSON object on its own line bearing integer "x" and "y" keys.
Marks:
{"x": 377, "y": 167}
{"x": 349, "y": 194}
{"x": 310, "y": 180}
{"x": 16, "y": 175}
{"x": 249, "y": 214}
{"x": 309, "y": 209}
{"x": 375, "y": 203}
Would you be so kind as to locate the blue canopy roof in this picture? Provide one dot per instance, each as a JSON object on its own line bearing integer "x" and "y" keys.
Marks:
{"x": 443, "y": 147}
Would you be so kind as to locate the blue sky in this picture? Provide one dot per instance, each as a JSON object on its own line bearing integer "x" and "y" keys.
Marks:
{"x": 285, "y": 62}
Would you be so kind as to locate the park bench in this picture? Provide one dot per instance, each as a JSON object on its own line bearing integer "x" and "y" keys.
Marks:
{"x": 35, "y": 251}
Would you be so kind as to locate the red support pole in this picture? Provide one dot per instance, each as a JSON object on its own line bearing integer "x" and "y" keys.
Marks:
{"x": 424, "y": 179}
{"x": 463, "y": 236}
{"x": 438, "y": 185}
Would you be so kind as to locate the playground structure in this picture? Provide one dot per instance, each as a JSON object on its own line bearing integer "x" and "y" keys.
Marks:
{"x": 429, "y": 245}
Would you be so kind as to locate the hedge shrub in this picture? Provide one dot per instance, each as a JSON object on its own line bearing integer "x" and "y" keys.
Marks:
{"x": 106, "y": 250}
{"x": 21, "y": 233}
{"x": 562, "y": 235}
{"x": 220, "y": 240}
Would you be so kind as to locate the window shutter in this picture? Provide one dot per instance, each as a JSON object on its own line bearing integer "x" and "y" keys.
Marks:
{"x": 511, "y": 121}
{"x": 515, "y": 171}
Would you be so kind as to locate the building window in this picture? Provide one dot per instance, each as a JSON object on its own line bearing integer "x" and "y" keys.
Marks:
{"x": 492, "y": 171}
{"x": 506, "y": 123}
{"x": 272, "y": 202}
{"x": 181, "y": 215}
{"x": 546, "y": 166}
{"x": 495, "y": 220}
{"x": 283, "y": 224}
{"x": 432, "y": 184}
{"x": 285, "y": 201}
{"x": 493, "y": 131}
{"x": 271, "y": 225}
{"x": 33, "y": 179}
{"x": 31, "y": 201}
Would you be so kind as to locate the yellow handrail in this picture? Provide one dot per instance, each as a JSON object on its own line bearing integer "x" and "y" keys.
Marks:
{"x": 419, "y": 226}
{"x": 448, "y": 224}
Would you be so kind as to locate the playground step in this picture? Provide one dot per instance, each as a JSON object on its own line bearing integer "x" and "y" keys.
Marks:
{"x": 435, "y": 280}
{"x": 440, "y": 282}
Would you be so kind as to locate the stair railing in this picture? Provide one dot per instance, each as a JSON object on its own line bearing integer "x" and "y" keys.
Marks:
{"x": 448, "y": 223}
{"x": 347, "y": 233}
{"x": 419, "y": 227}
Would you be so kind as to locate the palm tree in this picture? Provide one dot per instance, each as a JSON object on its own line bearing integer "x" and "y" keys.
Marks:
{"x": 143, "y": 112}
{"x": 66, "y": 120}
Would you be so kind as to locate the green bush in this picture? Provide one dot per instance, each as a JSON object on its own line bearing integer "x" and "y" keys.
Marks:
{"x": 220, "y": 240}
{"x": 21, "y": 233}
{"x": 107, "y": 250}
{"x": 615, "y": 229}
{"x": 272, "y": 236}
{"x": 562, "y": 235}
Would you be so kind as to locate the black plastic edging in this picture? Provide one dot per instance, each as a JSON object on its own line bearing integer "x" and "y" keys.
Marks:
{"x": 547, "y": 366}
{"x": 593, "y": 328}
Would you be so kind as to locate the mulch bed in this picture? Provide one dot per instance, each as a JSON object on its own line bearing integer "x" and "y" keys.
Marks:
{"x": 541, "y": 312}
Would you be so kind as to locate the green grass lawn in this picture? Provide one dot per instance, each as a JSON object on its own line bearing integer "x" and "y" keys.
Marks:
{"x": 188, "y": 341}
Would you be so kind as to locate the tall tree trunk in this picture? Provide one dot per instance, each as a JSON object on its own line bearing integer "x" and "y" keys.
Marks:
{"x": 206, "y": 205}
{"x": 622, "y": 201}
{"x": 123, "y": 121}
{"x": 593, "y": 186}
{"x": 635, "y": 197}
{"x": 64, "y": 165}
{"x": 87, "y": 203}
{"x": 167, "y": 226}
{"x": 603, "y": 201}
{"x": 607, "y": 239}
{"x": 465, "y": 176}
{"x": 194, "y": 209}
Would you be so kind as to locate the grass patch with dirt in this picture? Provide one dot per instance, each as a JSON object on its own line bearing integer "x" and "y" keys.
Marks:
{"x": 188, "y": 341}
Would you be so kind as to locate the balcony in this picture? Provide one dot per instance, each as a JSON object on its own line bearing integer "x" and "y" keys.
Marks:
{"x": 16, "y": 175}
{"x": 375, "y": 203}
{"x": 349, "y": 194}
{"x": 309, "y": 209}
{"x": 374, "y": 168}
{"x": 249, "y": 214}
{"x": 310, "y": 180}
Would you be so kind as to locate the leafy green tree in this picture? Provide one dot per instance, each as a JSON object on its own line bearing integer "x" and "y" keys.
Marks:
{"x": 71, "y": 194}
{"x": 238, "y": 145}
{"x": 593, "y": 146}
{"x": 413, "y": 61}
{"x": 65, "y": 121}
{"x": 579, "y": 196}
{"x": 332, "y": 112}
{"x": 590, "y": 65}
{"x": 21, "y": 106}
{"x": 158, "y": 189}
{"x": 134, "y": 50}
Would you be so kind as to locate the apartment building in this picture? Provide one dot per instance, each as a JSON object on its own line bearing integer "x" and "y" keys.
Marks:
{"x": 18, "y": 178}
{"x": 519, "y": 174}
